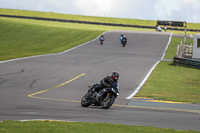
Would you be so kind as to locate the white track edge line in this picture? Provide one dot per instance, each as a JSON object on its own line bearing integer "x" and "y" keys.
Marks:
{"x": 45, "y": 120}
{"x": 142, "y": 83}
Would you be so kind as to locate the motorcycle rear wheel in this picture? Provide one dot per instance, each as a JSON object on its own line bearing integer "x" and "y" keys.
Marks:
{"x": 86, "y": 101}
{"x": 107, "y": 101}
{"x": 124, "y": 44}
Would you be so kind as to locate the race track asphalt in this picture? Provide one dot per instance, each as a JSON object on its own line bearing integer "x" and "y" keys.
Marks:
{"x": 51, "y": 86}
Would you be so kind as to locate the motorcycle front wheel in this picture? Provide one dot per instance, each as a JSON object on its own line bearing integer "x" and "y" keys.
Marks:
{"x": 107, "y": 101}
{"x": 86, "y": 101}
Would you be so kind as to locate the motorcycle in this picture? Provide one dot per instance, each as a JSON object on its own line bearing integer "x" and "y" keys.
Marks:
{"x": 104, "y": 98}
{"x": 101, "y": 40}
{"x": 123, "y": 42}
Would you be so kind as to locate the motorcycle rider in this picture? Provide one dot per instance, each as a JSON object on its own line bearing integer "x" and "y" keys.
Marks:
{"x": 106, "y": 82}
{"x": 124, "y": 39}
{"x": 102, "y": 94}
{"x": 102, "y": 39}
{"x": 121, "y": 37}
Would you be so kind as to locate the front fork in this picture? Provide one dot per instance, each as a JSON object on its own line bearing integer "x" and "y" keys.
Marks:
{"x": 107, "y": 97}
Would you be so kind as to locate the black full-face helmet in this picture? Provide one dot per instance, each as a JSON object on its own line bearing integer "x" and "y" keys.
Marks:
{"x": 115, "y": 76}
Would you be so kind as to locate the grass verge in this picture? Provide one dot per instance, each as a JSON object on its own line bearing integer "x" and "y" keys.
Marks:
{"x": 78, "y": 127}
{"x": 20, "y": 38}
{"x": 76, "y": 17}
{"x": 173, "y": 83}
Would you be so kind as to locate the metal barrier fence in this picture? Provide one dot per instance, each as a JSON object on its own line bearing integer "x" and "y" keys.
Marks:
{"x": 89, "y": 22}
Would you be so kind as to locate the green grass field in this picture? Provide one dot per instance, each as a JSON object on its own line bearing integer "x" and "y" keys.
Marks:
{"x": 76, "y": 17}
{"x": 21, "y": 38}
{"x": 77, "y": 127}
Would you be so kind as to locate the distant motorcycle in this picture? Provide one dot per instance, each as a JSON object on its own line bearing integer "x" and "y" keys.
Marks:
{"x": 102, "y": 42}
{"x": 104, "y": 98}
{"x": 124, "y": 41}
{"x": 102, "y": 39}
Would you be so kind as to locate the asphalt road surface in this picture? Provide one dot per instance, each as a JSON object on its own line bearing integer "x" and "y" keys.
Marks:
{"x": 51, "y": 87}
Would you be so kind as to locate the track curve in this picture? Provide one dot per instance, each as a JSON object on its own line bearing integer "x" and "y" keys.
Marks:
{"x": 50, "y": 87}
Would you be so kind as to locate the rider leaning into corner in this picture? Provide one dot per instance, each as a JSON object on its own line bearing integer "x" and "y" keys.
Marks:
{"x": 102, "y": 94}
{"x": 106, "y": 82}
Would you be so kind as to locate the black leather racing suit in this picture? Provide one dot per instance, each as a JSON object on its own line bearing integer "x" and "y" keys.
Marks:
{"x": 105, "y": 82}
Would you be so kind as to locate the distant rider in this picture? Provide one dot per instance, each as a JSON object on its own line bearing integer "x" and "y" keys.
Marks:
{"x": 121, "y": 37}
{"x": 124, "y": 39}
{"x": 102, "y": 39}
